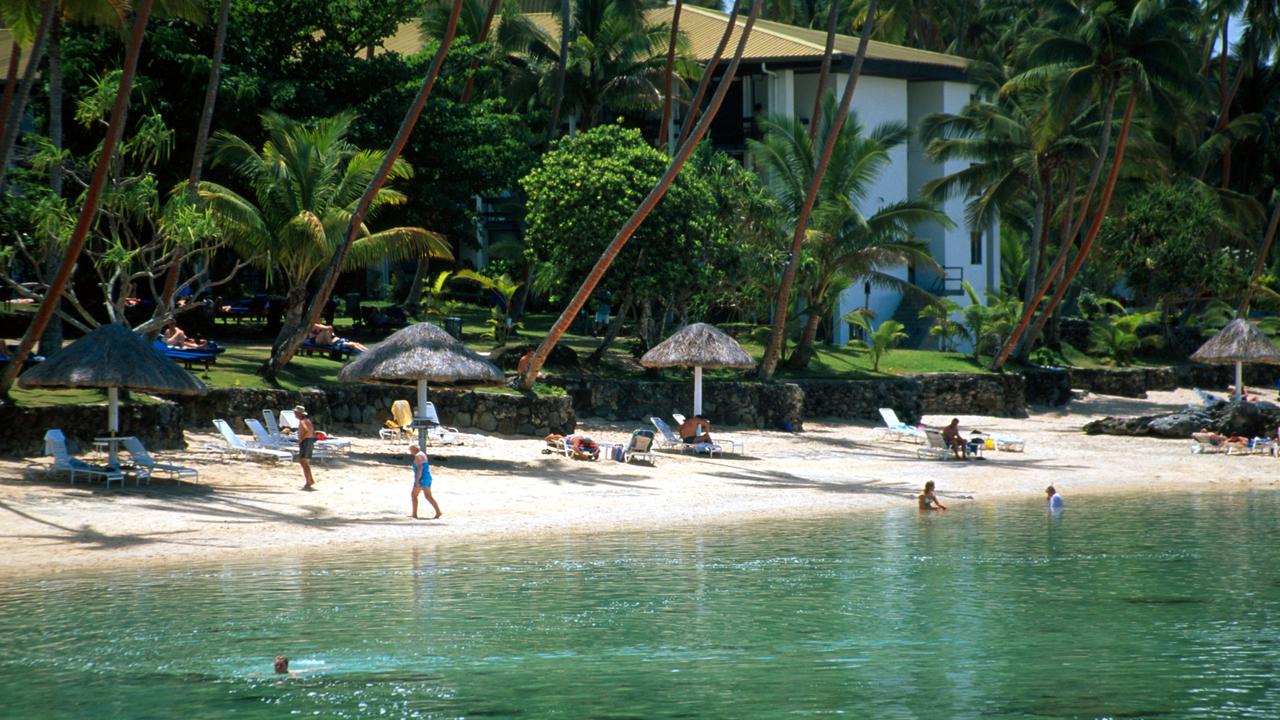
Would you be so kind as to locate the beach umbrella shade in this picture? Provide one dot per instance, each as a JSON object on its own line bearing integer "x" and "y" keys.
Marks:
{"x": 698, "y": 346}
{"x": 112, "y": 357}
{"x": 421, "y": 354}
{"x": 1239, "y": 342}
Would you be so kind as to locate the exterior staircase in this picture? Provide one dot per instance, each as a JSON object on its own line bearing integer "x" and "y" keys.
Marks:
{"x": 916, "y": 328}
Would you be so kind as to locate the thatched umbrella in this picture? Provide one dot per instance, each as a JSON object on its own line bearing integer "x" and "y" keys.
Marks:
{"x": 112, "y": 357}
{"x": 421, "y": 353}
{"x": 698, "y": 345}
{"x": 1239, "y": 342}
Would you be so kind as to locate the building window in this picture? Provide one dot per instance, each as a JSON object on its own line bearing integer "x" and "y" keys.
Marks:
{"x": 975, "y": 247}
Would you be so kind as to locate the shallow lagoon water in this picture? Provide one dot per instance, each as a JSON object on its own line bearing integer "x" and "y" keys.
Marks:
{"x": 1156, "y": 607}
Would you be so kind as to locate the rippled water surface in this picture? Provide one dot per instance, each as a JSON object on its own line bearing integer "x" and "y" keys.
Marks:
{"x": 1165, "y": 607}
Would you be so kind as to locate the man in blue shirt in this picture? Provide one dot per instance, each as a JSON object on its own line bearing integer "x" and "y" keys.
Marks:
{"x": 1055, "y": 500}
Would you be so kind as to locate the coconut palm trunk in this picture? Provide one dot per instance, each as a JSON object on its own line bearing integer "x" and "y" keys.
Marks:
{"x": 475, "y": 64}
{"x": 833, "y": 17}
{"x": 282, "y": 352}
{"x": 562, "y": 63}
{"x": 664, "y": 126}
{"x": 197, "y": 155}
{"x": 12, "y": 121}
{"x": 1094, "y": 227}
{"x": 15, "y": 60}
{"x": 705, "y": 81}
{"x": 769, "y": 363}
{"x": 115, "y": 129}
{"x": 646, "y": 206}
{"x": 1261, "y": 262}
{"x": 1030, "y": 302}
{"x": 51, "y": 338}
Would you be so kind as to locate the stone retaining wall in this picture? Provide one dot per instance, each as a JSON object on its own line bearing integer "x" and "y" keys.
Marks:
{"x": 367, "y": 407}
{"x": 748, "y": 404}
{"x": 999, "y": 394}
{"x": 862, "y": 399}
{"x": 1047, "y": 386}
{"x": 1124, "y": 382}
{"x": 158, "y": 425}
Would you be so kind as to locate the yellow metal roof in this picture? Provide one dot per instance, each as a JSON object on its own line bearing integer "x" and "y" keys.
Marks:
{"x": 703, "y": 28}
{"x": 6, "y": 52}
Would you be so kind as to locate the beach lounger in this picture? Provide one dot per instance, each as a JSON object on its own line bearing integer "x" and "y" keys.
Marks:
{"x": 289, "y": 419}
{"x": 400, "y": 426}
{"x": 236, "y": 446}
{"x": 1205, "y": 444}
{"x": 1208, "y": 398}
{"x": 935, "y": 447}
{"x": 668, "y": 440}
{"x": 55, "y": 444}
{"x": 640, "y": 447}
{"x": 143, "y": 459}
{"x": 735, "y": 446}
{"x": 896, "y": 430}
{"x": 273, "y": 427}
{"x": 335, "y": 351}
{"x": 445, "y": 435}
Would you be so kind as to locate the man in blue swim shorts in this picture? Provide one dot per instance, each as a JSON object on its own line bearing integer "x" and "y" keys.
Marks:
{"x": 421, "y": 481}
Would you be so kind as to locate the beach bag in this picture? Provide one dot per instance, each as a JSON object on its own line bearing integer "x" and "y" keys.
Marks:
{"x": 618, "y": 453}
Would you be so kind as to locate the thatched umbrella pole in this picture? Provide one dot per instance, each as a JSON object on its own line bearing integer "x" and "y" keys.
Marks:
{"x": 698, "y": 345}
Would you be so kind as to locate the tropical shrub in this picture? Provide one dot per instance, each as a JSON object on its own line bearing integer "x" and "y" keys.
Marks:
{"x": 880, "y": 339}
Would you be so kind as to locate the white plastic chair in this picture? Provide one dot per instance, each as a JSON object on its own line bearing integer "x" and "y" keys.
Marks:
{"x": 329, "y": 444}
{"x": 895, "y": 429}
{"x": 668, "y": 440}
{"x": 143, "y": 459}
{"x": 935, "y": 448}
{"x": 237, "y": 446}
{"x": 55, "y": 444}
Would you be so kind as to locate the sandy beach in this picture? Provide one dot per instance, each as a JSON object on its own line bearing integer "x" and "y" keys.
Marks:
{"x": 508, "y": 487}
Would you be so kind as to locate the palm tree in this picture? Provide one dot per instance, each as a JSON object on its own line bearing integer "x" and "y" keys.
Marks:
{"x": 642, "y": 210}
{"x": 770, "y": 360}
{"x": 287, "y": 345}
{"x": 306, "y": 182}
{"x": 1108, "y": 46}
{"x": 115, "y": 129}
{"x": 842, "y": 246}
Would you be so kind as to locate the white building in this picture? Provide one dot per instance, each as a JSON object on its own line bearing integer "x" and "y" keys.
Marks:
{"x": 779, "y": 75}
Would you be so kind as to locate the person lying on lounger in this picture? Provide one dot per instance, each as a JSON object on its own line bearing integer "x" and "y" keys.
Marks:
{"x": 322, "y": 334}
{"x": 178, "y": 340}
{"x": 581, "y": 446}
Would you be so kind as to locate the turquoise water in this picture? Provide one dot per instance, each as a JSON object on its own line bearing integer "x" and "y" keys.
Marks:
{"x": 1166, "y": 607}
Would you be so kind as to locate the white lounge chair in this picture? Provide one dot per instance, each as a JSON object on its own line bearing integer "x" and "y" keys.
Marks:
{"x": 273, "y": 427}
{"x": 1009, "y": 443}
{"x": 236, "y": 446}
{"x": 1208, "y": 398}
{"x": 55, "y": 444}
{"x": 640, "y": 447}
{"x": 735, "y": 446}
{"x": 896, "y": 430}
{"x": 935, "y": 447}
{"x": 143, "y": 459}
{"x": 331, "y": 445}
{"x": 446, "y": 435}
{"x": 668, "y": 440}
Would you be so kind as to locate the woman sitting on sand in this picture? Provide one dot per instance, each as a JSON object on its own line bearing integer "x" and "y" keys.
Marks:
{"x": 928, "y": 500}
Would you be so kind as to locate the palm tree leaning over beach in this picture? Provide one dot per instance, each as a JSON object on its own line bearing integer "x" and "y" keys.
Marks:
{"x": 843, "y": 245}
{"x": 305, "y": 183}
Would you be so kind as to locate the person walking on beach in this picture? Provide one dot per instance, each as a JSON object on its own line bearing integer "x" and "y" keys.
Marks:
{"x": 421, "y": 481}
{"x": 306, "y": 445}
{"x": 1055, "y": 500}
{"x": 928, "y": 500}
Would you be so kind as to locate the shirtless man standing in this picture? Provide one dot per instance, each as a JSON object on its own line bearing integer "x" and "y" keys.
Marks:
{"x": 306, "y": 445}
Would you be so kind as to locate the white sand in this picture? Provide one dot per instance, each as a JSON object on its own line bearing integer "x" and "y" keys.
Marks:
{"x": 508, "y": 488}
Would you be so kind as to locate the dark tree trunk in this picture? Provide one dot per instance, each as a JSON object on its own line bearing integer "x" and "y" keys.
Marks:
{"x": 115, "y": 128}
{"x": 475, "y": 64}
{"x": 695, "y": 104}
{"x": 284, "y": 353}
{"x": 611, "y": 333}
{"x": 553, "y": 126}
{"x": 51, "y": 338}
{"x": 832, "y": 19}
{"x": 642, "y": 211}
{"x": 664, "y": 125}
{"x": 770, "y": 361}
{"x": 13, "y": 121}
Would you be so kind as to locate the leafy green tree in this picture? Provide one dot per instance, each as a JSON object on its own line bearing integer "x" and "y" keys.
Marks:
{"x": 843, "y": 246}
{"x": 1170, "y": 242}
{"x": 304, "y": 185}
{"x": 501, "y": 325}
{"x": 584, "y": 190}
{"x": 880, "y": 339}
